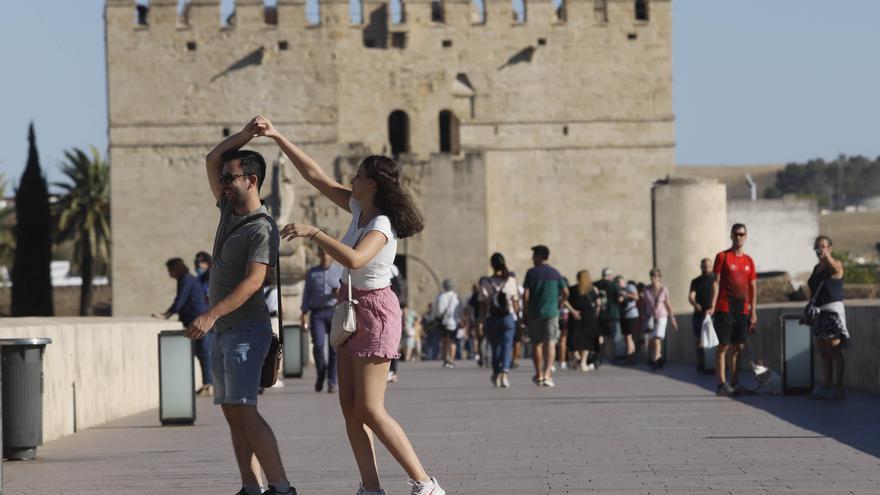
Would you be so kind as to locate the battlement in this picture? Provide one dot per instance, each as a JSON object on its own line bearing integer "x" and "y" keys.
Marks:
{"x": 394, "y": 14}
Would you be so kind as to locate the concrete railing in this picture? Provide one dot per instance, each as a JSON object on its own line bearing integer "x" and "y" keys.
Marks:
{"x": 95, "y": 370}
{"x": 862, "y": 363}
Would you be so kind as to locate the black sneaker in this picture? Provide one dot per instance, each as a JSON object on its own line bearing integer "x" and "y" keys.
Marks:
{"x": 273, "y": 491}
{"x": 319, "y": 385}
{"x": 725, "y": 390}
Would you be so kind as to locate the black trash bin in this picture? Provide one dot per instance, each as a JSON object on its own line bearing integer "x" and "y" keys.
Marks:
{"x": 22, "y": 375}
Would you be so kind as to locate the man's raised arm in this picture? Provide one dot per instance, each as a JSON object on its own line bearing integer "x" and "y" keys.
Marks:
{"x": 214, "y": 161}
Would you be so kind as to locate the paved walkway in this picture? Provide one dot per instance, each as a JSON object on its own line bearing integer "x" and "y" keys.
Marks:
{"x": 616, "y": 430}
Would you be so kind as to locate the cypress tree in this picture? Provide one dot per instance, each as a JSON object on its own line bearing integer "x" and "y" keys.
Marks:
{"x": 31, "y": 278}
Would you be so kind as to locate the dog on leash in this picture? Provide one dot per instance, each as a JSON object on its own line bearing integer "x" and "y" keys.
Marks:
{"x": 769, "y": 382}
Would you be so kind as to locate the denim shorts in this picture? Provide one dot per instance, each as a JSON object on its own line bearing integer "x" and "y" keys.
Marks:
{"x": 237, "y": 362}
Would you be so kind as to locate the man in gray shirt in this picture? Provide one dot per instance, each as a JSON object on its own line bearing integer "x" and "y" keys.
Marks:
{"x": 237, "y": 309}
{"x": 318, "y": 302}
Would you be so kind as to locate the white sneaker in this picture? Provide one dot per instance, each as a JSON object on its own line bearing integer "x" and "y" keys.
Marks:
{"x": 549, "y": 382}
{"x": 553, "y": 369}
{"x": 563, "y": 365}
{"x": 591, "y": 367}
{"x": 584, "y": 367}
{"x": 505, "y": 382}
{"x": 390, "y": 376}
{"x": 426, "y": 487}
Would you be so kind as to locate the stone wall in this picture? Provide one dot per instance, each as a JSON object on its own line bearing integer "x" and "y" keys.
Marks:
{"x": 863, "y": 322}
{"x": 564, "y": 126}
{"x": 95, "y": 370}
{"x": 781, "y": 233}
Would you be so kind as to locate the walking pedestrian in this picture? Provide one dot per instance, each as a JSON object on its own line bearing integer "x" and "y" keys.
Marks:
{"x": 319, "y": 299}
{"x": 829, "y": 326}
{"x": 700, "y": 297}
{"x": 245, "y": 246}
{"x": 447, "y": 315}
{"x": 202, "y": 264}
{"x": 544, "y": 292}
{"x": 734, "y": 296}
{"x": 630, "y": 322}
{"x": 411, "y": 332}
{"x": 660, "y": 315}
{"x": 609, "y": 315}
{"x": 382, "y": 212}
{"x": 189, "y": 303}
{"x": 499, "y": 299}
{"x": 583, "y": 304}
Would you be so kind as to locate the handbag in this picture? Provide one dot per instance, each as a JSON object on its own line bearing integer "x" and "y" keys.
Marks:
{"x": 811, "y": 311}
{"x": 344, "y": 321}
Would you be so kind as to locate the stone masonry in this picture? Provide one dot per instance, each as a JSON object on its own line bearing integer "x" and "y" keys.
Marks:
{"x": 559, "y": 126}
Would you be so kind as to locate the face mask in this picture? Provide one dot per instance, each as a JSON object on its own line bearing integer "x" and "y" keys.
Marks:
{"x": 199, "y": 270}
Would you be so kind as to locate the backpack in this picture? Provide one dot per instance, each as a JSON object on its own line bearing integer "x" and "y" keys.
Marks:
{"x": 499, "y": 305}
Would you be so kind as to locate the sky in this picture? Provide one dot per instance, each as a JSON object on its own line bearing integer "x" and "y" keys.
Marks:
{"x": 755, "y": 81}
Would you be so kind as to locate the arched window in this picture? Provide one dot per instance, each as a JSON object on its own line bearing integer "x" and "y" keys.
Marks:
{"x": 398, "y": 132}
{"x": 641, "y": 10}
{"x": 448, "y": 132}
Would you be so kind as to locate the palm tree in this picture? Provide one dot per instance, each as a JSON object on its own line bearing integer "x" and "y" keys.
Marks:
{"x": 83, "y": 214}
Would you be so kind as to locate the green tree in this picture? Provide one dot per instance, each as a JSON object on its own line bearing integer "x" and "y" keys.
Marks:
{"x": 31, "y": 278}
{"x": 83, "y": 215}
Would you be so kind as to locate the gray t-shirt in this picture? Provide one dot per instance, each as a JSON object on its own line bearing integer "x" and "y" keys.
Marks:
{"x": 256, "y": 241}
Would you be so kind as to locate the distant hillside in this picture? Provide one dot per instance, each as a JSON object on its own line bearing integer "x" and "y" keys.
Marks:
{"x": 734, "y": 176}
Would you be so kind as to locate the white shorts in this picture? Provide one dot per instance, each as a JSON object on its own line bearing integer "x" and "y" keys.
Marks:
{"x": 659, "y": 330}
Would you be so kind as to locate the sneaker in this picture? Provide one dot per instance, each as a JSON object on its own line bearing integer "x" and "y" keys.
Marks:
{"x": 563, "y": 365}
{"x": 319, "y": 385}
{"x": 431, "y": 487}
{"x": 364, "y": 491}
{"x": 536, "y": 380}
{"x": 273, "y": 491}
{"x": 584, "y": 367}
{"x": 725, "y": 390}
{"x": 331, "y": 389}
{"x": 391, "y": 377}
{"x": 553, "y": 369}
{"x": 548, "y": 382}
{"x": 505, "y": 382}
{"x": 591, "y": 367}
{"x": 494, "y": 380}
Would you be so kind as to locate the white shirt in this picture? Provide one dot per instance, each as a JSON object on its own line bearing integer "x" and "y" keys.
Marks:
{"x": 448, "y": 308}
{"x": 376, "y": 274}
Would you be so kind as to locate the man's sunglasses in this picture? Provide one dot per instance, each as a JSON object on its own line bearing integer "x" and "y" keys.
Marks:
{"x": 227, "y": 179}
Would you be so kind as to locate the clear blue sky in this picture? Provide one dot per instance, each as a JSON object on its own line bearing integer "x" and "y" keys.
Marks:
{"x": 756, "y": 81}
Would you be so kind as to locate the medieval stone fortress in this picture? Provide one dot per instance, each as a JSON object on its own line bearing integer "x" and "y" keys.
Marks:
{"x": 544, "y": 127}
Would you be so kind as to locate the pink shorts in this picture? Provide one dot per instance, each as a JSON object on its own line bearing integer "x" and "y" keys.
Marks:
{"x": 379, "y": 323}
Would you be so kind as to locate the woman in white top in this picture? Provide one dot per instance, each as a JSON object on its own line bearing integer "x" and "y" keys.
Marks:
{"x": 382, "y": 212}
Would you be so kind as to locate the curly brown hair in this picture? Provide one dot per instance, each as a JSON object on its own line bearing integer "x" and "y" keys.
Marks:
{"x": 391, "y": 199}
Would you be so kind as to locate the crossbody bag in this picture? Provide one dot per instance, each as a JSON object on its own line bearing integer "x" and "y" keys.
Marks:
{"x": 272, "y": 363}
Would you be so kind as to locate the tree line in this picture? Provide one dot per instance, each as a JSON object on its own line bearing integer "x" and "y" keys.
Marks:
{"x": 836, "y": 184}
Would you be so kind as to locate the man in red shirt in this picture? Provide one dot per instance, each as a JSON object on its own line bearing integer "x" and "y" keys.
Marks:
{"x": 734, "y": 296}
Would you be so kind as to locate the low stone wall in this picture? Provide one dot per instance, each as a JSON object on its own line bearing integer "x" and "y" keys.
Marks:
{"x": 862, "y": 365}
{"x": 65, "y": 299}
{"x": 112, "y": 364}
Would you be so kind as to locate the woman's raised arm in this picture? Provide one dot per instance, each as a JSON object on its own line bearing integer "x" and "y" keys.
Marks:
{"x": 307, "y": 167}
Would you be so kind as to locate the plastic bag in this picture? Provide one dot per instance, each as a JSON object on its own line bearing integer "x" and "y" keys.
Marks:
{"x": 708, "y": 339}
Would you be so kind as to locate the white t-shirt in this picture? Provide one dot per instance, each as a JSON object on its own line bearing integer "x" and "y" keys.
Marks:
{"x": 376, "y": 274}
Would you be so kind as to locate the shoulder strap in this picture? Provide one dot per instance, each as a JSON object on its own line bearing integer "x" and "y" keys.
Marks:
{"x": 239, "y": 225}
{"x": 815, "y": 294}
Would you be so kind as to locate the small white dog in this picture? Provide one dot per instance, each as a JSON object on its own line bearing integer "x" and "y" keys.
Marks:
{"x": 769, "y": 382}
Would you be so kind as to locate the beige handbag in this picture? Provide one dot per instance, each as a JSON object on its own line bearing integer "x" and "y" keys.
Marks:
{"x": 344, "y": 321}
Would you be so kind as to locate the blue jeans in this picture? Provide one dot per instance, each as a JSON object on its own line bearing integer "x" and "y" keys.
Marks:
{"x": 320, "y": 329}
{"x": 237, "y": 362}
{"x": 501, "y": 332}
{"x": 203, "y": 348}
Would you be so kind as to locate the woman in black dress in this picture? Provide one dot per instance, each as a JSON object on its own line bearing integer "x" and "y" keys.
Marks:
{"x": 583, "y": 323}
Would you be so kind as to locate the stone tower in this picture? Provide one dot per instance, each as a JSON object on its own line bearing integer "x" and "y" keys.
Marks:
{"x": 548, "y": 127}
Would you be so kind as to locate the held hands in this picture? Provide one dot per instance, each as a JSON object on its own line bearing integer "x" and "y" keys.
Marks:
{"x": 265, "y": 127}
{"x": 200, "y": 326}
{"x": 293, "y": 230}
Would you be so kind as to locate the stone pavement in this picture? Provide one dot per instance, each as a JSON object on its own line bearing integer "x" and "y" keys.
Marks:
{"x": 616, "y": 430}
